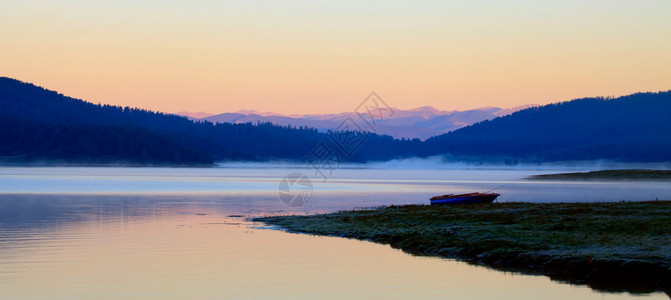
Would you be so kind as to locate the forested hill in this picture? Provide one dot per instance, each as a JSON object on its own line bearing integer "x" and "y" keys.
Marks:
{"x": 38, "y": 124}
{"x": 636, "y": 127}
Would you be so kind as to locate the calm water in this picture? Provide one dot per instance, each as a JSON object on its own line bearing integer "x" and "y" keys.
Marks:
{"x": 175, "y": 233}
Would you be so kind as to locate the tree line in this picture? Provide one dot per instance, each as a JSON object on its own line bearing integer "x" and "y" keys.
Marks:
{"x": 42, "y": 124}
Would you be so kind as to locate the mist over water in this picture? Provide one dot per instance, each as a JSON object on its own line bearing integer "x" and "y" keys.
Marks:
{"x": 444, "y": 163}
{"x": 398, "y": 182}
{"x": 177, "y": 232}
{"x": 437, "y": 162}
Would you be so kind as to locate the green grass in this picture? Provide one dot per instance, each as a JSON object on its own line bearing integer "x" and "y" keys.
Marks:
{"x": 632, "y": 174}
{"x": 610, "y": 246}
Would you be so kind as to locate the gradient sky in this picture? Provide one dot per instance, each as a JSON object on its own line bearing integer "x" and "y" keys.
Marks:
{"x": 326, "y": 56}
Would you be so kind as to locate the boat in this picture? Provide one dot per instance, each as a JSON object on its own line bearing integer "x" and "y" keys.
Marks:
{"x": 464, "y": 198}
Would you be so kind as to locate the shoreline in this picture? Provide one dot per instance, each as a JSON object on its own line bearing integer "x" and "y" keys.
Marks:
{"x": 609, "y": 246}
{"x": 624, "y": 174}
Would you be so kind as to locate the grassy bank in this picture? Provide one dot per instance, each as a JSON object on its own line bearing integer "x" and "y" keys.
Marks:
{"x": 632, "y": 174}
{"x": 622, "y": 246}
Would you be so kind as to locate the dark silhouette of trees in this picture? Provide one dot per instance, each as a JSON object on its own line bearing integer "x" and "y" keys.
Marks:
{"x": 46, "y": 124}
{"x": 636, "y": 127}
{"x": 26, "y": 141}
{"x": 38, "y": 124}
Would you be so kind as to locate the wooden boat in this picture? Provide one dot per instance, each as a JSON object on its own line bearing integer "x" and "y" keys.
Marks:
{"x": 464, "y": 198}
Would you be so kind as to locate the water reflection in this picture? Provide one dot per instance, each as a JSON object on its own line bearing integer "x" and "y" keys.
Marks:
{"x": 134, "y": 242}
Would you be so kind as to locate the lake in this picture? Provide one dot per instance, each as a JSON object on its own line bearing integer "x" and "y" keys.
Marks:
{"x": 176, "y": 233}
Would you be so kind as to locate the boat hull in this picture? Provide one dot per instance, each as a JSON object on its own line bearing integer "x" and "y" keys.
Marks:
{"x": 488, "y": 198}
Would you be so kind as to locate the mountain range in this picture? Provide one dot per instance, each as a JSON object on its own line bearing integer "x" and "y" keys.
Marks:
{"x": 39, "y": 125}
{"x": 422, "y": 122}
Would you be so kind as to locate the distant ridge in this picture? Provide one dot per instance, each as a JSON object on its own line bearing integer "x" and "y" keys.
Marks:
{"x": 421, "y": 122}
{"x": 194, "y": 115}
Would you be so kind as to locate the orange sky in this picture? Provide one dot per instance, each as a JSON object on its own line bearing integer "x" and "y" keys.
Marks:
{"x": 326, "y": 56}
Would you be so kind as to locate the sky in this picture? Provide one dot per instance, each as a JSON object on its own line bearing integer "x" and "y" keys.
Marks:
{"x": 327, "y": 56}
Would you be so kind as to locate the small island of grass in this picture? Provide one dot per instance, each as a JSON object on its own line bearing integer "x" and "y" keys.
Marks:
{"x": 619, "y": 246}
{"x": 631, "y": 174}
